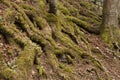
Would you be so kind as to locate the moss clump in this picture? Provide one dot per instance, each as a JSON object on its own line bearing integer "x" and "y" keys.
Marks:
{"x": 80, "y": 23}
{"x": 5, "y": 72}
{"x": 51, "y": 18}
{"x": 87, "y": 5}
{"x": 98, "y": 64}
{"x": 28, "y": 7}
{"x": 10, "y": 74}
{"x": 63, "y": 9}
{"x": 40, "y": 22}
{"x": 26, "y": 59}
{"x": 5, "y": 30}
{"x": 58, "y": 51}
{"x": 37, "y": 39}
{"x": 83, "y": 24}
{"x": 41, "y": 70}
{"x": 59, "y": 38}
{"x": 22, "y": 43}
{"x": 89, "y": 20}
{"x": 37, "y": 20}
{"x": 110, "y": 35}
{"x": 65, "y": 68}
{"x": 41, "y": 4}
{"x": 89, "y": 14}
{"x": 69, "y": 59}
{"x": 106, "y": 37}
{"x": 10, "y": 52}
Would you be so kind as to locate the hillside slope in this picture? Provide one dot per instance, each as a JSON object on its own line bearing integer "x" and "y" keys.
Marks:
{"x": 37, "y": 45}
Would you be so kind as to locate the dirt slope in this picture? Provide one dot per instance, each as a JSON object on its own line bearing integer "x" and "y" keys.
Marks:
{"x": 37, "y": 45}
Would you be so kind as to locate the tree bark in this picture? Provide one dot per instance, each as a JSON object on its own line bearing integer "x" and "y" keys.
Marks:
{"x": 109, "y": 27}
{"x": 53, "y": 6}
{"x": 48, "y": 47}
{"x": 110, "y": 13}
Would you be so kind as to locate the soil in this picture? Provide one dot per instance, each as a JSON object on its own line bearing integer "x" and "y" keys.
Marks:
{"x": 58, "y": 66}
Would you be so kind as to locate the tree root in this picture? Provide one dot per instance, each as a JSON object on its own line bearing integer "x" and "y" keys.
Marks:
{"x": 37, "y": 34}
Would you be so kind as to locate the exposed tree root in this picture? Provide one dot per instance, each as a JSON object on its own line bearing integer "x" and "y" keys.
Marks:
{"x": 38, "y": 33}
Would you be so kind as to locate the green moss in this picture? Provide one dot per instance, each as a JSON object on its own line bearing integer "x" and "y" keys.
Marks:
{"x": 5, "y": 71}
{"x": 22, "y": 59}
{"x": 22, "y": 43}
{"x": 70, "y": 60}
{"x": 37, "y": 20}
{"x": 41, "y": 70}
{"x": 108, "y": 36}
{"x": 72, "y": 10}
{"x": 6, "y": 31}
{"x": 80, "y": 23}
{"x": 64, "y": 40}
{"x": 90, "y": 14}
{"x": 68, "y": 43}
{"x": 26, "y": 59}
{"x": 37, "y": 39}
{"x": 100, "y": 79}
{"x": 41, "y": 3}
{"x": 51, "y": 18}
{"x": 63, "y": 9}
{"x": 6, "y": 2}
{"x": 65, "y": 68}
{"x": 87, "y": 5}
{"x": 10, "y": 74}
{"x": 41, "y": 23}
{"x": 98, "y": 64}
{"x": 9, "y": 15}
{"x": 21, "y": 21}
{"x": 90, "y": 20}
{"x": 26, "y": 6}
{"x": 58, "y": 51}
{"x": 91, "y": 59}
{"x": 25, "y": 17}
{"x": 10, "y": 52}
{"x": 31, "y": 36}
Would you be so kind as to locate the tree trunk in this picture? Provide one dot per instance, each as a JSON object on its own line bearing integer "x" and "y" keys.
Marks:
{"x": 53, "y": 6}
{"x": 48, "y": 47}
{"x": 109, "y": 27}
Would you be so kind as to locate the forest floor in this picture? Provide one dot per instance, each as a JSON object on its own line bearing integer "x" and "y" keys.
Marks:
{"x": 41, "y": 46}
